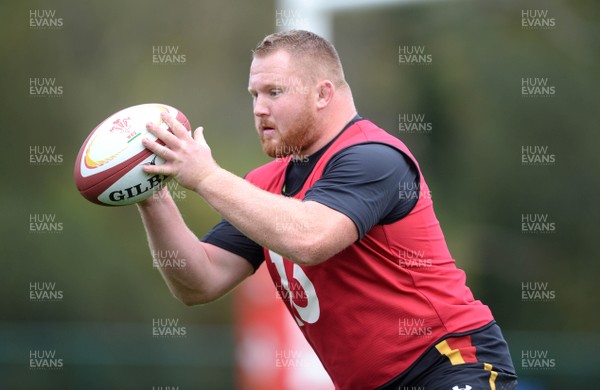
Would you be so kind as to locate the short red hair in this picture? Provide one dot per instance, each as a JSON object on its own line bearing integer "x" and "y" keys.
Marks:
{"x": 317, "y": 54}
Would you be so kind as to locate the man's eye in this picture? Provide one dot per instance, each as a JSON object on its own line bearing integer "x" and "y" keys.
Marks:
{"x": 275, "y": 92}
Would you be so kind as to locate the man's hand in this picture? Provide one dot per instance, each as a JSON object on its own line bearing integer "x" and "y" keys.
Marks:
{"x": 187, "y": 159}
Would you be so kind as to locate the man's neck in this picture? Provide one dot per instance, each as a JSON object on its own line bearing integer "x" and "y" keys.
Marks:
{"x": 332, "y": 131}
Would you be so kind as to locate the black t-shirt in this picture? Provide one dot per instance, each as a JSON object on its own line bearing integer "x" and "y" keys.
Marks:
{"x": 370, "y": 183}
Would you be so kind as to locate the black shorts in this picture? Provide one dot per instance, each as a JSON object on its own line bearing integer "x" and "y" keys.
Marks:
{"x": 477, "y": 360}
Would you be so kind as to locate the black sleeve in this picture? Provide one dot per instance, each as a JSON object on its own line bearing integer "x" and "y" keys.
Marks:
{"x": 228, "y": 237}
{"x": 364, "y": 181}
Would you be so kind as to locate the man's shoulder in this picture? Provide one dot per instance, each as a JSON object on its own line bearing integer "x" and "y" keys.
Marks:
{"x": 367, "y": 155}
{"x": 371, "y": 149}
{"x": 366, "y": 132}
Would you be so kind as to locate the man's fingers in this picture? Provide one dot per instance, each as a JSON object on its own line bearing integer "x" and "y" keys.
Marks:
{"x": 176, "y": 127}
{"x": 158, "y": 149}
{"x": 162, "y": 169}
{"x": 164, "y": 135}
{"x": 199, "y": 136}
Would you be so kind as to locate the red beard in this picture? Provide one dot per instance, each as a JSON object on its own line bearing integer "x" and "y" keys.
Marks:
{"x": 296, "y": 139}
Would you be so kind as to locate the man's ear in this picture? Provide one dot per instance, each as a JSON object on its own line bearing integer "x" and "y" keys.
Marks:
{"x": 325, "y": 91}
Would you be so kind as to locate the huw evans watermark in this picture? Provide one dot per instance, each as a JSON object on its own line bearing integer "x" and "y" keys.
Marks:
{"x": 414, "y": 55}
{"x": 290, "y": 18}
{"x": 537, "y": 223}
{"x": 45, "y": 87}
{"x": 44, "y": 19}
{"x": 537, "y": 19}
{"x": 537, "y": 87}
{"x": 44, "y": 223}
{"x": 44, "y": 155}
{"x": 537, "y": 359}
{"x": 537, "y": 292}
{"x": 413, "y": 124}
{"x": 168, "y": 258}
{"x": 537, "y": 155}
{"x": 412, "y": 191}
{"x": 287, "y": 153}
{"x": 44, "y": 292}
{"x": 174, "y": 190}
{"x": 291, "y": 358}
{"x": 45, "y": 360}
{"x": 408, "y": 258}
{"x": 167, "y": 328}
{"x": 414, "y": 327}
{"x": 168, "y": 55}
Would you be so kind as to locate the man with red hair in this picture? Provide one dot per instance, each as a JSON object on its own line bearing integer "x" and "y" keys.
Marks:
{"x": 361, "y": 261}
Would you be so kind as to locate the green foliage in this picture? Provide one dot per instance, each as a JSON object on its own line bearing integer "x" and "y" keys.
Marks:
{"x": 470, "y": 93}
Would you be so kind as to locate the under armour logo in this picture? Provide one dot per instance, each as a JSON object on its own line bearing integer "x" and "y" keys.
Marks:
{"x": 467, "y": 387}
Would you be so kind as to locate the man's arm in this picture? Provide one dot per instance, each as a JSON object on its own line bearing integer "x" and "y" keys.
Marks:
{"x": 209, "y": 272}
{"x": 312, "y": 232}
{"x": 306, "y": 233}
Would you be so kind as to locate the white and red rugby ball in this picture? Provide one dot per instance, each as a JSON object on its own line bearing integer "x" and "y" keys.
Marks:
{"x": 108, "y": 170}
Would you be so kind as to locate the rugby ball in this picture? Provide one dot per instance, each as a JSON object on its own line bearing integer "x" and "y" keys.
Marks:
{"x": 108, "y": 169}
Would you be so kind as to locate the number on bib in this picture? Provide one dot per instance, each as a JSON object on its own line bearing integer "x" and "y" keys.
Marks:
{"x": 312, "y": 311}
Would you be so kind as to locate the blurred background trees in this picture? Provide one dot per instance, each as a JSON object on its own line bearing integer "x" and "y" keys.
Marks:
{"x": 480, "y": 121}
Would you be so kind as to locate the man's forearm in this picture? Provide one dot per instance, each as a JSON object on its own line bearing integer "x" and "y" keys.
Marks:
{"x": 184, "y": 269}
